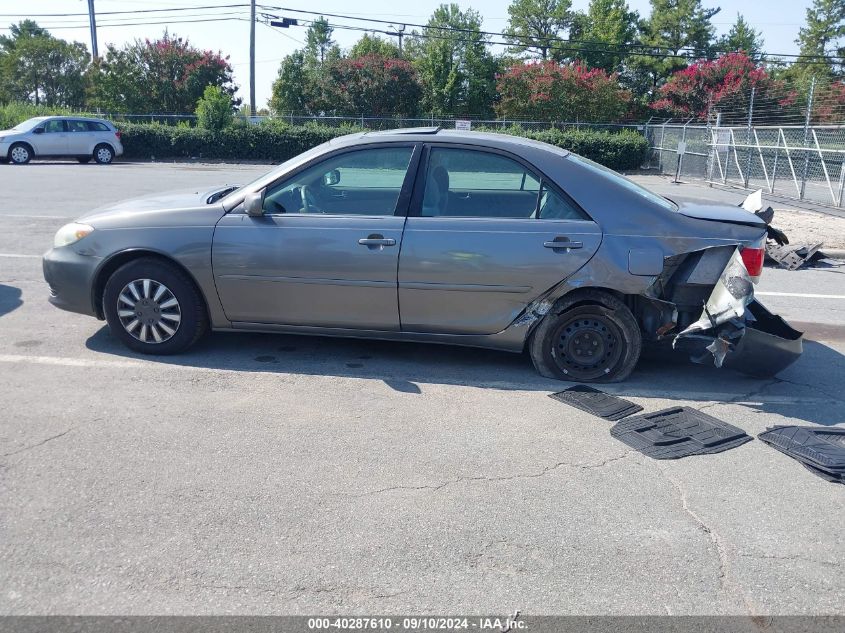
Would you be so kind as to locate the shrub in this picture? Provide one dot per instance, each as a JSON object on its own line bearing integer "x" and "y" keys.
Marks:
{"x": 277, "y": 141}
{"x": 214, "y": 109}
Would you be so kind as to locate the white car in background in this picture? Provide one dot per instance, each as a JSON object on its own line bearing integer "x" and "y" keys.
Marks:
{"x": 61, "y": 137}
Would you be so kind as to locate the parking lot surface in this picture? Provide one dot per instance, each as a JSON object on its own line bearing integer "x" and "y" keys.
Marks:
{"x": 271, "y": 474}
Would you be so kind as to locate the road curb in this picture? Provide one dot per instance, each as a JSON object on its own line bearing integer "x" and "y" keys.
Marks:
{"x": 835, "y": 253}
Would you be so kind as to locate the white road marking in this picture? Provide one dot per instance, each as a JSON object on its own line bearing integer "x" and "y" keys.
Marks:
{"x": 19, "y": 256}
{"x": 37, "y": 217}
{"x": 798, "y": 294}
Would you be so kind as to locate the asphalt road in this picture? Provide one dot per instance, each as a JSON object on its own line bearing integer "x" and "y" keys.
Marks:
{"x": 274, "y": 474}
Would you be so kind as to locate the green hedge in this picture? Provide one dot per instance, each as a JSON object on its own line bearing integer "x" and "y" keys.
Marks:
{"x": 624, "y": 150}
{"x": 265, "y": 142}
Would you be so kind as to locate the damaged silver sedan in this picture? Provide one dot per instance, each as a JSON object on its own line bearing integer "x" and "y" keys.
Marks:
{"x": 438, "y": 236}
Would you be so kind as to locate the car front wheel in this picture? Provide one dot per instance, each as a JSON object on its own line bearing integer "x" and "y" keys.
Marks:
{"x": 153, "y": 307}
{"x": 20, "y": 154}
{"x": 589, "y": 337}
{"x": 103, "y": 154}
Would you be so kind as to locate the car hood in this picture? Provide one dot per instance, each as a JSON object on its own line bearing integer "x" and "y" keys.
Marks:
{"x": 719, "y": 213}
{"x": 174, "y": 206}
{"x": 10, "y": 132}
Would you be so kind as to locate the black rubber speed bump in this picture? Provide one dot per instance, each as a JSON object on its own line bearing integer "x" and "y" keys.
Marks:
{"x": 596, "y": 402}
{"x": 678, "y": 432}
{"x": 822, "y": 451}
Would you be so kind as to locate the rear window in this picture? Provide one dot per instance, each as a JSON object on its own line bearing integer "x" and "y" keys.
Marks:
{"x": 630, "y": 185}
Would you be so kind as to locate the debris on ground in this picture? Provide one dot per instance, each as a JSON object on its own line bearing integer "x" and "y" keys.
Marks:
{"x": 778, "y": 248}
{"x": 678, "y": 432}
{"x": 597, "y": 402}
{"x": 793, "y": 257}
{"x": 821, "y": 451}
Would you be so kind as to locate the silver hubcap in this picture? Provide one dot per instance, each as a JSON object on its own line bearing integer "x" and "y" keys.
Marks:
{"x": 149, "y": 311}
{"x": 104, "y": 155}
{"x": 20, "y": 155}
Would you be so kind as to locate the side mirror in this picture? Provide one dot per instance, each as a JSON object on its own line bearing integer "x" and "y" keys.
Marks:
{"x": 332, "y": 177}
{"x": 38, "y": 130}
{"x": 254, "y": 204}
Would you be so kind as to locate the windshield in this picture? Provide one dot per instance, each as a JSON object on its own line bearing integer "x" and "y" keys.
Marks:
{"x": 28, "y": 124}
{"x": 630, "y": 185}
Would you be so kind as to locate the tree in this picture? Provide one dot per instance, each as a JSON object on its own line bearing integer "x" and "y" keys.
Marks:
{"x": 318, "y": 41}
{"x": 724, "y": 85}
{"x": 292, "y": 91}
{"x": 536, "y": 25}
{"x": 374, "y": 45}
{"x": 455, "y": 67}
{"x": 675, "y": 26}
{"x": 742, "y": 37}
{"x": 37, "y": 67}
{"x": 609, "y": 25}
{"x": 820, "y": 38}
{"x": 214, "y": 109}
{"x": 373, "y": 85}
{"x": 550, "y": 91}
{"x": 165, "y": 75}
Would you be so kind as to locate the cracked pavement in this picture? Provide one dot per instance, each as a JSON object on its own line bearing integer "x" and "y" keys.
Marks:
{"x": 262, "y": 474}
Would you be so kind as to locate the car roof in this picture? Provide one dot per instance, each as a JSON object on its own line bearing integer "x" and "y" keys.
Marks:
{"x": 435, "y": 134}
{"x": 75, "y": 118}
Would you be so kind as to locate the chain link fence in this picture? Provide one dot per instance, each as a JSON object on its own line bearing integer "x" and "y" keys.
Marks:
{"x": 800, "y": 162}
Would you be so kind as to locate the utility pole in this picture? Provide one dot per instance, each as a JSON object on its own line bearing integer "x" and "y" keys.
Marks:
{"x": 251, "y": 57}
{"x": 400, "y": 33}
{"x": 93, "y": 22}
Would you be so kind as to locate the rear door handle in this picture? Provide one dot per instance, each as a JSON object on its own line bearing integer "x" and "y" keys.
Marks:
{"x": 376, "y": 241}
{"x": 563, "y": 243}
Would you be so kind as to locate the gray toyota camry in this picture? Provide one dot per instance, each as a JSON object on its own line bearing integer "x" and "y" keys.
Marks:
{"x": 439, "y": 236}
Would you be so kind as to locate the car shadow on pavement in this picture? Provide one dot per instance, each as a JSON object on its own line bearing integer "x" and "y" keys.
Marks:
{"x": 798, "y": 393}
{"x": 10, "y": 299}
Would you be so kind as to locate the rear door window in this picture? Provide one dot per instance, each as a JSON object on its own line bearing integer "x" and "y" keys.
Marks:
{"x": 77, "y": 126}
{"x": 96, "y": 126}
{"x": 475, "y": 183}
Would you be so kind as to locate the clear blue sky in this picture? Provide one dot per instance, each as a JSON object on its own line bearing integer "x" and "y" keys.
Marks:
{"x": 778, "y": 20}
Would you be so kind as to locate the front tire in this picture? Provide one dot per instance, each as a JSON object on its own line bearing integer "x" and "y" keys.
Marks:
{"x": 590, "y": 336}
{"x": 20, "y": 154}
{"x": 153, "y": 307}
{"x": 103, "y": 154}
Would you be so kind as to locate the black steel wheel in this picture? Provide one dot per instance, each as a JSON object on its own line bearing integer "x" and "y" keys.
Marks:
{"x": 590, "y": 337}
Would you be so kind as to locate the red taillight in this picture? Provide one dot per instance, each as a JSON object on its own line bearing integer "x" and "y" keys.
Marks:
{"x": 753, "y": 260}
{"x": 117, "y": 134}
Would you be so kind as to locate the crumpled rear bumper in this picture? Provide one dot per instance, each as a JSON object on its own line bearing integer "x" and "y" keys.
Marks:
{"x": 768, "y": 345}
{"x": 733, "y": 329}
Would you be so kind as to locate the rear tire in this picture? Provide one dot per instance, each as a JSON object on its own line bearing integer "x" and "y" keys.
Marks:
{"x": 20, "y": 154}
{"x": 103, "y": 154}
{"x": 589, "y": 336}
{"x": 153, "y": 307}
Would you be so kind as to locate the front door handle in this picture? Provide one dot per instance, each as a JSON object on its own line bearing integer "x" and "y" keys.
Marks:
{"x": 376, "y": 241}
{"x": 561, "y": 242}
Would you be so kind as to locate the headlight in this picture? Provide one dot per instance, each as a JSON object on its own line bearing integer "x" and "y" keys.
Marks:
{"x": 71, "y": 233}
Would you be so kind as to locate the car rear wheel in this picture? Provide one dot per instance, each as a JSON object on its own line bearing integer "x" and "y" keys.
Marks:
{"x": 103, "y": 154}
{"x": 589, "y": 337}
{"x": 20, "y": 153}
{"x": 153, "y": 307}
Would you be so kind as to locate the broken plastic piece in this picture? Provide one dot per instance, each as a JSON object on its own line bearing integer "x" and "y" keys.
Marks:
{"x": 596, "y": 402}
{"x": 678, "y": 432}
{"x": 822, "y": 451}
{"x": 768, "y": 346}
{"x": 793, "y": 257}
